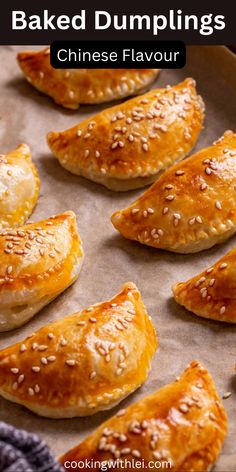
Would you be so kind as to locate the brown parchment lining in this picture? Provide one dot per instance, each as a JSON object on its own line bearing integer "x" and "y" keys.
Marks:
{"x": 110, "y": 260}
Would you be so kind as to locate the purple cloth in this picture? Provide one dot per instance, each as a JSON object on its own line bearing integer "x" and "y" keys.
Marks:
{"x": 21, "y": 451}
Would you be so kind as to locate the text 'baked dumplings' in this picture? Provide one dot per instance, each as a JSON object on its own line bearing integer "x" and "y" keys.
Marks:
{"x": 127, "y": 146}
{"x": 37, "y": 262}
{"x": 19, "y": 187}
{"x": 211, "y": 294}
{"x": 72, "y": 87}
{"x": 183, "y": 424}
{"x": 83, "y": 363}
{"x": 191, "y": 207}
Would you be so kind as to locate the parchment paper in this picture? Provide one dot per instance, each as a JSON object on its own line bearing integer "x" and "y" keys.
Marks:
{"x": 110, "y": 260}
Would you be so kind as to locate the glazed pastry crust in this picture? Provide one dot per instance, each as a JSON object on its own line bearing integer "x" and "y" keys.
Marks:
{"x": 211, "y": 294}
{"x": 127, "y": 146}
{"x": 191, "y": 207}
{"x": 183, "y": 422}
{"x": 38, "y": 261}
{"x": 89, "y": 361}
{"x": 72, "y": 87}
{"x": 19, "y": 187}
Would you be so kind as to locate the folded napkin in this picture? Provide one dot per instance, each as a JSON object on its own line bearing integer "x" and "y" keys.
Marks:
{"x": 21, "y": 451}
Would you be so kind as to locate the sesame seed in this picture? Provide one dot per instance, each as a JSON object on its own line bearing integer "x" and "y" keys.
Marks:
{"x": 134, "y": 210}
{"x": 30, "y": 391}
{"x": 203, "y": 186}
{"x": 70, "y": 362}
{"x": 23, "y": 348}
{"x": 145, "y": 147}
{"x": 97, "y": 154}
{"x": 150, "y": 210}
{"x": 226, "y": 395}
{"x": 165, "y": 210}
{"x": 211, "y": 283}
{"x": 145, "y": 213}
{"x": 223, "y": 265}
{"x": 37, "y": 388}
{"x": 218, "y": 205}
{"x": 86, "y": 153}
{"x": 103, "y": 171}
{"x": 14, "y": 370}
{"x": 50, "y": 335}
{"x": 92, "y": 374}
{"x": 79, "y": 132}
{"x": 42, "y": 347}
{"x": 222, "y": 310}
{"x": 208, "y": 271}
{"x": 34, "y": 346}
{"x": 71, "y": 94}
{"x": 20, "y": 378}
{"x": 208, "y": 170}
{"x": 179, "y": 172}
{"x": 120, "y": 413}
{"x": 15, "y": 386}
{"x": 81, "y": 323}
{"x": 192, "y": 221}
{"x": 170, "y": 197}
{"x": 51, "y": 358}
{"x": 63, "y": 342}
{"x": 169, "y": 186}
{"x": 136, "y": 453}
{"x": 93, "y": 320}
{"x": 183, "y": 408}
{"x": 35, "y": 368}
{"x": 9, "y": 270}
{"x": 44, "y": 360}
{"x": 198, "y": 219}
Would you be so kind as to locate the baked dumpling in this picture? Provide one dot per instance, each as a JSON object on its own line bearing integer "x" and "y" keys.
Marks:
{"x": 19, "y": 187}
{"x": 211, "y": 294}
{"x": 191, "y": 207}
{"x": 127, "y": 146}
{"x": 37, "y": 262}
{"x": 72, "y": 87}
{"x": 83, "y": 363}
{"x": 183, "y": 423}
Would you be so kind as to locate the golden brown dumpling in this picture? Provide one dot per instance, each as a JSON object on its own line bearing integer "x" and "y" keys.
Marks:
{"x": 19, "y": 187}
{"x": 192, "y": 205}
{"x": 127, "y": 146}
{"x": 211, "y": 294}
{"x": 37, "y": 262}
{"x": 83, "y": 363}
{"x": 72, "y": 87}
{"x": 182, "y": 425}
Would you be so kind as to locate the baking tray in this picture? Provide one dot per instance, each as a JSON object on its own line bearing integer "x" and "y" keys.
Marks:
{"x": 110, "y": 260}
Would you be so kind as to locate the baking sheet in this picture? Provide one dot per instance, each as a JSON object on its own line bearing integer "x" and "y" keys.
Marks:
{"x": 110, "y": 260}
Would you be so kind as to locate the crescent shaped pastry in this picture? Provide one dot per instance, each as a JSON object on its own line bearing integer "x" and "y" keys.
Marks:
{"x": 211, "y": 294}
{"x": 72, "y": 87}
{"x": 37, "y": 262}
{"x": 183, "y": 424}
{"x": 19, "y": 187}
{"x": 191, "y": 207}
{"x": 95, "y": 357}
{"x": 127, "y": 146}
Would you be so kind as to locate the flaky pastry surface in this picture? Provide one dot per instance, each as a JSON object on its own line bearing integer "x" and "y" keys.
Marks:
{"x": 37, "y": 262}
{"x": 19, "y": 187}
{"x": 83, "y": 363}
{"x": 72, "y": 87}
{"x": 183, "y": 423}
{"x": 211, "y": 294}
{"x": 127, "y": 146}
{"x": 191, "y": 207}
